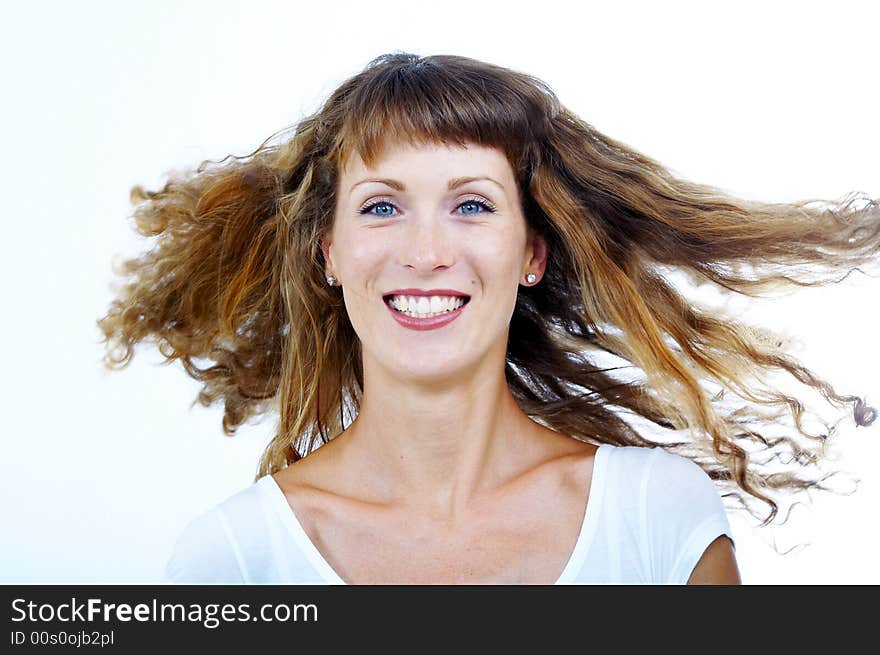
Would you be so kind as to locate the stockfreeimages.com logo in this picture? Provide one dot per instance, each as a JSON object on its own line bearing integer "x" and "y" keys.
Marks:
{"x": 209, "y": 615}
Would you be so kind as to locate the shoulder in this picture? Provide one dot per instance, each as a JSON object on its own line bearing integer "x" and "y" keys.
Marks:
{"x": 684, "y": 515}
{"x": 202, "y": 553}
{"x": 660, "y": 463}
{"x": 679, "y": 484}
{"x": 312, "y": 487}
{"x": 579, "y": 461}
{"x": 209, "y": 547}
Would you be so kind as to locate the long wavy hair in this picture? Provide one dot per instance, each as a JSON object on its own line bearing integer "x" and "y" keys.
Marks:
{"x": 605, "y": 342}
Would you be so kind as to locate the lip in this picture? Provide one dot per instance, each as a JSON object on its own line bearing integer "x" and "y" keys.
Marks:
{"x": 432, "y": 323}
{"x": 425, "y": 292}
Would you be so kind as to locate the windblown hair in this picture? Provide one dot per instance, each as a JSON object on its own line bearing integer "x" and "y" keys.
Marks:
{"x": 237, "y": 278}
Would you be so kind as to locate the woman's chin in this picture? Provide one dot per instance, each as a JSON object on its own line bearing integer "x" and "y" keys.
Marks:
{"x": 437, "y": 372}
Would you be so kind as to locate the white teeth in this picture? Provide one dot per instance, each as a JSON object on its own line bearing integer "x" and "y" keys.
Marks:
{"x": 438, "y": 304}
{"x": 424, "y": 306}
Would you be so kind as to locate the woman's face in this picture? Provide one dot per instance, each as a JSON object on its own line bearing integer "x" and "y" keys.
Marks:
{"x": 427, "y": 228}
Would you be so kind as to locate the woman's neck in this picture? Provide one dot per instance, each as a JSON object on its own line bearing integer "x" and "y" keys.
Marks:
{"x": 435, "y": 451}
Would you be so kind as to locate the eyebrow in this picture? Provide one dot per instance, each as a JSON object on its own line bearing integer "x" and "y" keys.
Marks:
{"x": 454, "y": 183}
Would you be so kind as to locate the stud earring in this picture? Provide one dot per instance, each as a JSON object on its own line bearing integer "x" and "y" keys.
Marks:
{"x": 331, "y": 280}
{"x": 530, "y": 278}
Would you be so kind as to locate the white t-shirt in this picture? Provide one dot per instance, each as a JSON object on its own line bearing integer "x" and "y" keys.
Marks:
{"x": 649, "y": 517}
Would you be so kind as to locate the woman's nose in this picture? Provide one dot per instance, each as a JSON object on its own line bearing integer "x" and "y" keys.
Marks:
{"x": 428, "y": 245}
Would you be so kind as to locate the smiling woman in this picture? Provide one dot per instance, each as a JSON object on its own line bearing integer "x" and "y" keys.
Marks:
{"x": 477, "y": 276}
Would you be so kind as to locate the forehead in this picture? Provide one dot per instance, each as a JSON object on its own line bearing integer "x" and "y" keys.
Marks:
{"x": 432, "y": 160}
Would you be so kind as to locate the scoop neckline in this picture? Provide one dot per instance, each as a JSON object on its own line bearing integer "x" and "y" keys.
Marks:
{"x": 572, "y": 566}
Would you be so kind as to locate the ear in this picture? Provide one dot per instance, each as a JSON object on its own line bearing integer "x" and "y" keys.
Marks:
{"x": 325, "y": 249}
{"x": 536, "y": 254}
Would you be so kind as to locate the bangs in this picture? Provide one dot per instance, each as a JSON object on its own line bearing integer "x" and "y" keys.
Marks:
{"x": 444, "y": 99}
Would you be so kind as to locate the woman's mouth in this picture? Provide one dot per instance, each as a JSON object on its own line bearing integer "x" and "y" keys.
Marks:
{"x": 415, "y": 313}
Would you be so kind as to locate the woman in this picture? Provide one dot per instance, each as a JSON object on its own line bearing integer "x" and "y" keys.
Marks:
{"x": 471, "y": 271}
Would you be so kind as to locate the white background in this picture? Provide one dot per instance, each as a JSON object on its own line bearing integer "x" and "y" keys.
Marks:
{"x": 100, "y": 471}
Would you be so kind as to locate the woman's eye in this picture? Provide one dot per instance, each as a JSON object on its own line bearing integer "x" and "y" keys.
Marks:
{"x": 383, "y": 205}
{"x": 473, "y": 207}
{"x": 477, "y": 203}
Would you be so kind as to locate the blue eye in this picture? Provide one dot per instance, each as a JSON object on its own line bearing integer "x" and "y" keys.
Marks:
{"x": 474, "y": 202}
{"x": 369, "y": 208}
